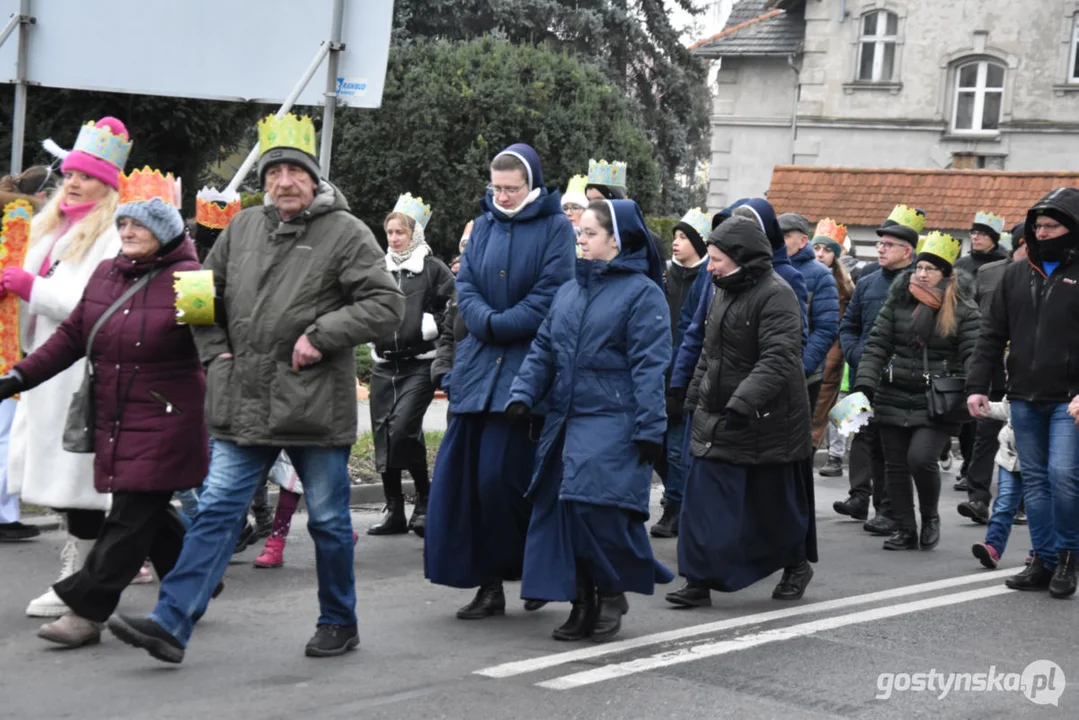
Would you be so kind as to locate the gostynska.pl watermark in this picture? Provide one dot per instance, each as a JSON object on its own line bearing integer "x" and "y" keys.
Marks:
{"x": 1042, "y": 682}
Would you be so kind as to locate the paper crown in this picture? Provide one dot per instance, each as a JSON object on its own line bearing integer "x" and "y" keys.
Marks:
{"x": 101, "y": 143}
{"x": 989, "y": 219}
{"x": 829, "y": 228}
{"x": 577, "y": 185}
{"x": 909, "y": 217}
{"x": 287, "y": 132}
{"x": 415, "y": 208}
{"x": 194, "y": 297}
{"x": 920, "y": 245}
{"x": 1005, "y": 241}
{"x": 851, "y": 413}
{"x": 942, "y": 245}
{"x": 215, "y": 209}
{"x": 605, "y": 173}
{"x": 700, "y": 222}
{"x": 145, "y": 184}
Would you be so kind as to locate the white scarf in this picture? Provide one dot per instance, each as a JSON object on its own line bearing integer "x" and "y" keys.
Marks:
{"x": 527, "y": 201}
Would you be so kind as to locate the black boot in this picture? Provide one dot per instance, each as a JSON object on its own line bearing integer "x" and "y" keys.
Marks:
{"x": 579, "y": 624}
{"x": 902, "y": 539}
{"x": 1034, "y": 576}
{"x": 609, "y": 616}
{"x": 248, "y": 537}
{"x": 930, "y": 532}
{"x": 393, "y": 519}
{"x": 667, "y": 527}
{"x": 690, "y": 595}
{"x": 881, "y": 525}
{"x": 1063, "y": 582}
{"x": 854, "y": 506}
{"x": 263, "y": 513}
{"x": 418, "y": 522}
{"x": 490, "y": 600}
{"x": 961, "y": 484}
{"x": 976, "y": 510}
{"x": 794, "y": 582}
{"x": 832, "y": 468}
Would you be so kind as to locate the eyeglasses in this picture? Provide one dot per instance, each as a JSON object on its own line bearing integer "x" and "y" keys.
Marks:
{"x": 1047, "y": 227}
{"x": 887, "y": 245}
{"x": 927, "y": 269}
{"x": 571, "y": 207}
{"x": 497, "y": 190}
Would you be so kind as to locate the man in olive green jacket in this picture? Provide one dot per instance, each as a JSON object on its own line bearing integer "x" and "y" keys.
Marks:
{"x": 299, "y": 283}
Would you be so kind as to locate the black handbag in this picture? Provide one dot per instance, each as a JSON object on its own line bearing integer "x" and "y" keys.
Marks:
{"x": 945, "y": 396}
{"x": 78, "y": 434}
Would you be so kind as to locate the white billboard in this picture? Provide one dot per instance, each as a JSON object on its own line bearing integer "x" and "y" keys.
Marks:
{"x": 212, "y": 49}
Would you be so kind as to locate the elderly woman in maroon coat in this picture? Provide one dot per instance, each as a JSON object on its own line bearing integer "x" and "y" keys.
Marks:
{"x": 150, "y": 436}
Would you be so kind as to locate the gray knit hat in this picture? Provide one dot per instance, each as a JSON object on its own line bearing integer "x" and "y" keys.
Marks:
{"x": 157, "y": 216}
{"x": 278, "y": 155}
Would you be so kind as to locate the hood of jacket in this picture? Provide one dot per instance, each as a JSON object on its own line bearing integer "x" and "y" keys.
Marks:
{"x": 766, "y": 217}
{"x": 548, "y": 203}
{"x": 1062, "y": 205}
{"x": 743, "y": 241}
{"x": 328, "y": 198}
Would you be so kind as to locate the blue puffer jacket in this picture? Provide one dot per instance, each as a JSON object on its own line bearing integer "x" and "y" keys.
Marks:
{"x": 599, "y": 363}
{"x": 509, "y": 275}
{"x": 869, "y": 295}
{"x": 823, "y": 308}
{"x": 701, "y": 284}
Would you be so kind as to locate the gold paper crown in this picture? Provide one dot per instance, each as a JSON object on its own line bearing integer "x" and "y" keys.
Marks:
{"x": 577, "y": 185}
{"x": 605, "y": 173}
{"x": 829, "y": 228}
{"x": 908, "y": 216}
{"x": 215, "y": 209}
{"x": 990, "y": 220}
{"x": 700, "y": 222}
{"x": 146, "y": 184}
{"x": 287, "y": 132}
{"x": 415, "y": 208}
{"x": 920, "y": 245}
{"x": 942, "y": 245}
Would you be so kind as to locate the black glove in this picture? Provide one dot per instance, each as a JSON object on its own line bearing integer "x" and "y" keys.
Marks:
{"x": 517, "y": 412}
{"x": 676, "y": 401}
{"x": 648, "y": 453}
{"x": 10, "y": 386}
{"x": 736, "y": 420}
{"x": 437, "y": 380}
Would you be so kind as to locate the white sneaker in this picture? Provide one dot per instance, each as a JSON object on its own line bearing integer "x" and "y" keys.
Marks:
{"x": 47, "y": 606}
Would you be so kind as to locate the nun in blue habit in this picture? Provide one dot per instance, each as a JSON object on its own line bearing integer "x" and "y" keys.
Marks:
{"x": 521, "y": 251}
{"x": 598, "y": 365}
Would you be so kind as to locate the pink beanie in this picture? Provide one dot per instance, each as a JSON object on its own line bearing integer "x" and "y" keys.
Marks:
{"x": 100, "y": 151}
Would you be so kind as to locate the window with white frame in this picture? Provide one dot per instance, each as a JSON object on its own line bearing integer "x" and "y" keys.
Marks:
{"x": 876, "y": 47}
{"x": 979, "y": 96}
{"x": 1073, "y": 64}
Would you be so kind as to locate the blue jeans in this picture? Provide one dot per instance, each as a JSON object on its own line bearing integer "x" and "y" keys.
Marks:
{"x": 235, "y": 473}
{"x": 1047, "y": 440}
{"x": 1009, "y": 495}
{"x": 677, "y": 463}
{"x": 189, "y": 505}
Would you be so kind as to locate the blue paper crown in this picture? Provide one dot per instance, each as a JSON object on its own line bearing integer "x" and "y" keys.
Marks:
{"x": 989, "y": 219}
{"x": 101, "y": 143}
{"x": 698, "y": 221}
{"x": 415, "y": 208}
{"x": 605, "y": 173}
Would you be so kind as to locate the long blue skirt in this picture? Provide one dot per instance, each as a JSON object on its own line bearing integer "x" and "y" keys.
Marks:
{"x": 740, "y": 524}
{"x": 609, "y": 543}
{"x": 477, "y": 514}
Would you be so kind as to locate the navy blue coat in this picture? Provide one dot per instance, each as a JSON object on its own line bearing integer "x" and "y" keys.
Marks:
{"x": 823, "y": 308}
{"x": 689, "y": 352}
{"x": 700, "y": 287}
{"x": 509, "y": 275}
{"x": 869, "y": 295}
{"x": 599, "y": 363}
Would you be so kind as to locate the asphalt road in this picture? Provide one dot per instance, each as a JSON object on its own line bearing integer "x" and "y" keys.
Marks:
{"x": 871, "y": 624}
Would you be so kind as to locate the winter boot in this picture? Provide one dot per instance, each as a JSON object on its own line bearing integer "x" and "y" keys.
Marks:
{"x": 832, "y": 468}
{"x": 609, "y": 616}
{"x": 248, "y": 537}
{"x": 793, "y": 584}
{"x": 418, "y": 522}
{"x": 1034, "y": 576}
{"x": 273, "y": 555}
{"x": 667, "y": 527}
{"x": 72, "y": 631}
{"x": 1063, "y": 583}
{"x": 579, "y": 624}
{"x": 855, "y": 507}
{"x": 49, "y": 605}
{"x": 490, "y": 600}
{"x": 690, "y": 596}
{"x": 880, "y": 525}
{"x": 976, "y": 510}
{"x": 393, "y": 519}
{"x": 263, "y": 516}
{"x": 930, "y": 535}
{"x": 902, "y": 539}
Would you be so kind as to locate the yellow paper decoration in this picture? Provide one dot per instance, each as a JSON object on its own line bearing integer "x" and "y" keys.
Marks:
{"x": 194, "y": 297}
{"x": 288, "y": 132}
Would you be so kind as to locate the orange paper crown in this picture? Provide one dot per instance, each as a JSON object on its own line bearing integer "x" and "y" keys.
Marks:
{"x": 146, "y": 184}
{"x": 214, "y": 209}
{"x": 829, "y": 228}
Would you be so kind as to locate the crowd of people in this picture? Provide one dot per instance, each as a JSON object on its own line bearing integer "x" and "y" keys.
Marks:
{"x": 577, "y": 362}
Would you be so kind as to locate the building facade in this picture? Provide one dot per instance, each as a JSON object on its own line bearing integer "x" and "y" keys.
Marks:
{"x": 921, "y": 84}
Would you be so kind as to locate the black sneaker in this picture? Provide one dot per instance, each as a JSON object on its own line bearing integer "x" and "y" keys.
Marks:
{"x": 976, "y": 510}
{"x": 16, "y": 531}
{"x": 332, "y": 640}
{"x": 667, "y": 527}
{"x": 1063, "y": 583}
{"x": 1034, "y": 576}
{"x": 146, "y": 634}
{"x": 832, "y": 468}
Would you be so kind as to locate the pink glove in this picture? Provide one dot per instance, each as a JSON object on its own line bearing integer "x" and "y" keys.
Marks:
{"x": 18, "y": 281}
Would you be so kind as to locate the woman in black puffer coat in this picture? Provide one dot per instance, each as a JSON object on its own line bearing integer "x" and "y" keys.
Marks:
{"x": 929, "y": 316}
{"x": 401, "y": 382}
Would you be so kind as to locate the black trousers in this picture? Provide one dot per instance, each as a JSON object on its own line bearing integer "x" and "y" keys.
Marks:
{"x": 83, "y": 524}
{"x": 867, "y": 475}
{"x": 980, "y": 470}
{"x": 913, "y": 452}
{"x": 814, "y": 394}
{"x": 138, "y": 526}
{"x": 966, "y": 447}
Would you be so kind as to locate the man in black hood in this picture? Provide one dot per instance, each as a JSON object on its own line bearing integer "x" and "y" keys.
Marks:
{"x": 1035, "y": 314}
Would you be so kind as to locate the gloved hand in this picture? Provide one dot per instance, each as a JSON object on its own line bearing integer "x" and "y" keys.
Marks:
{"x": 517, "y": 412}
{"x": 676, "y": 401}
{"x": 867, "y": 391}
{"x": 736, "y": 420}
{"x": 18, "y": 281}
{"x": 10, "y": 385}
{"x": 648, "y": 453}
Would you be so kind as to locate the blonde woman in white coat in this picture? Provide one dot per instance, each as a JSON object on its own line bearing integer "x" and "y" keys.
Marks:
{"x": 69, "y": 238}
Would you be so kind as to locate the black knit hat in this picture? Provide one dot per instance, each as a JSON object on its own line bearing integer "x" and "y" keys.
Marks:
{"x": 941, "y": 264}
{"x": 695, "y": 238}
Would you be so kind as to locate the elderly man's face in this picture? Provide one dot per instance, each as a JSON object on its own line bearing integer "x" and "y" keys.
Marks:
{"x": 291, "y": 188}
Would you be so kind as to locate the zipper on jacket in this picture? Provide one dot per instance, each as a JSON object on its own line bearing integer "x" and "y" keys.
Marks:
{"x": 161, "y": 399}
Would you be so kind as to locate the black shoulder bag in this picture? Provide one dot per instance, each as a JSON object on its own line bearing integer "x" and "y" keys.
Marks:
{"x": 945, "y": 395}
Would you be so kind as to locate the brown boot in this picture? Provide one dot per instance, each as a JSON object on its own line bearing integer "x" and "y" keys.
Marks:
{"x": 71, "y": 631}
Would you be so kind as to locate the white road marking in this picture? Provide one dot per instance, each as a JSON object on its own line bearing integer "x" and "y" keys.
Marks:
{"x": 521, "y": 667}
{"x": 723, "y": 647}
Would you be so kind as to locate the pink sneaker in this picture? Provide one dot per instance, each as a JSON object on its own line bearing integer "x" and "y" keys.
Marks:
{"x": 273, "y": 555}
{"x": 145, "y": 576}
{"x": 987, "y": 554}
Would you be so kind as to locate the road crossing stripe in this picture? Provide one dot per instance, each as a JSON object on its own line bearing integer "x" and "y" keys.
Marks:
{"x": 723, "y": 647}
{"x": 521, "y": 667}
